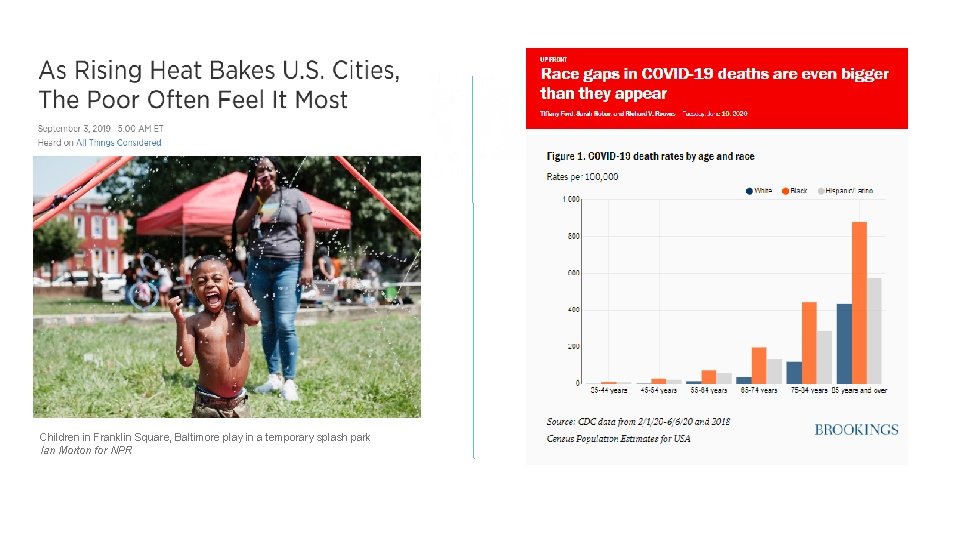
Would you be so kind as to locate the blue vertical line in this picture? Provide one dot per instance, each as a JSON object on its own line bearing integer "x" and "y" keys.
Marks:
{"x": 473, "y": 297}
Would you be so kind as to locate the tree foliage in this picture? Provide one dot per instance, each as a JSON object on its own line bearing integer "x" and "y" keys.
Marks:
{"x": 375, "y": 230}
{"x": 55, "y": 240}
{"x": 148, "y": 182}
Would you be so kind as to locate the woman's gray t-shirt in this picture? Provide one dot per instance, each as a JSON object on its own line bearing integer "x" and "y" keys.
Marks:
{"x": 278, "y": 226}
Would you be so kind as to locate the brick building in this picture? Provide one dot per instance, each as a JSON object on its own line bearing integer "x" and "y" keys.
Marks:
{"x": 101, "y": 232}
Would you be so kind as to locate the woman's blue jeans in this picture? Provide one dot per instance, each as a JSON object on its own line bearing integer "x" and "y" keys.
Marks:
{"x": 274, "y": 285}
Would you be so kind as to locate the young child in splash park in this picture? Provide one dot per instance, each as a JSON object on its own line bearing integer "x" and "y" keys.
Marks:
{"x": 216, "y": 335}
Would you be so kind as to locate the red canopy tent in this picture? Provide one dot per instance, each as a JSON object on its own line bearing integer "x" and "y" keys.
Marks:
{"x": 209, "y": 210}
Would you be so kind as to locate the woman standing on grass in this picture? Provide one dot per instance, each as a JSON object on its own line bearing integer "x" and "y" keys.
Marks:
{"x": 269, "y": 211}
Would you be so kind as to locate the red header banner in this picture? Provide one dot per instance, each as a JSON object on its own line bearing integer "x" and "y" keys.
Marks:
{"x": 717, "y": 88}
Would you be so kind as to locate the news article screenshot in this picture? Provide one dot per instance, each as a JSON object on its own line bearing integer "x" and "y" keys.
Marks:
{"x": 178, "y": 273}
{"x": 724, "y": 231}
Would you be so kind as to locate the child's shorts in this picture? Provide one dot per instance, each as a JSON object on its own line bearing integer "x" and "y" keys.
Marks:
{"x": 209, "y": 405}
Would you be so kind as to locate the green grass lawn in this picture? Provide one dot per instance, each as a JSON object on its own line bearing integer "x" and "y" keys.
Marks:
{"x": 43, "y": 305}
{"x": 356, "y": 369}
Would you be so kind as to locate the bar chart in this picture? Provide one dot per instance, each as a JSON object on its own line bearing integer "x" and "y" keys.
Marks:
{"x": 731, "y": 312}
{"x": 619, "y": 288}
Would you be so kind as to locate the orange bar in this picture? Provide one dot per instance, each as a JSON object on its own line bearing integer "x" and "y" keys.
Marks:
{"x": 759, "y": 373}
{"x": 658, "y": 381}
{"x": 859, "y": 308}
{"x": 608, "y": 382}
{"x": 809, "y": 370}
{"x": 708, "y": 376}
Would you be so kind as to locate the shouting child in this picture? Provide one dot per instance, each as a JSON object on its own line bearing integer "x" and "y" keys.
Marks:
{"x": 217, "y": 337}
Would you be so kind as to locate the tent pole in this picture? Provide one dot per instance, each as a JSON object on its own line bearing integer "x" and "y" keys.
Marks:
{"x": 81, "y": 191}
{"x": 387, "y": 204}
{"x": 44, "y": 203}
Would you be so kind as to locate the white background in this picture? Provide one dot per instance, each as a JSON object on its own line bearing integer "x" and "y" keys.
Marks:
{"x": 427, "y": 477}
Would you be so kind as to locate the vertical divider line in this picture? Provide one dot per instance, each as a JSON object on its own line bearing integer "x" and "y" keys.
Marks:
{"x": 473, "y": 293}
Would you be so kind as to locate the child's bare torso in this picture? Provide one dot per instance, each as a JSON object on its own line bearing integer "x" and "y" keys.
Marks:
{"x": 222, "y": 350}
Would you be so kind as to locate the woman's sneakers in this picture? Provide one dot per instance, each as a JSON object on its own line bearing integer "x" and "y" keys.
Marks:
{"x": 289, "y": 390}
{"x": 274, "y": 383}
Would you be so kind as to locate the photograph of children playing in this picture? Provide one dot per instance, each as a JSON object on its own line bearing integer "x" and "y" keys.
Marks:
{"x": 239, "y": 286}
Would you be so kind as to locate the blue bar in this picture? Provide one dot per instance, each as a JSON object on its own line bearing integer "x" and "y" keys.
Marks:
{"x": 693, "y": 382}
{"x": 794, "y": 372}
{"x": 844, "y": 344}
{"x": 744, "y": 380}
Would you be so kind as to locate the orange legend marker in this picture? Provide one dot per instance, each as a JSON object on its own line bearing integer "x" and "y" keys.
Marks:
{"x": 786, "y": 191}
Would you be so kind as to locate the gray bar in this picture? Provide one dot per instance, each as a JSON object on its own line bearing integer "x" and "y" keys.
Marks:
{"x": 824, "y": 357}
{"x": 774, "y": 371}
{"x": 874, "y": 347}
{"x": 724, "y": 378}
{"x": 674, "y": 381}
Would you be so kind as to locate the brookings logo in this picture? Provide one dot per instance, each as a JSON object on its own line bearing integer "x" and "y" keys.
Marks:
{"x": 855, "y": 430}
